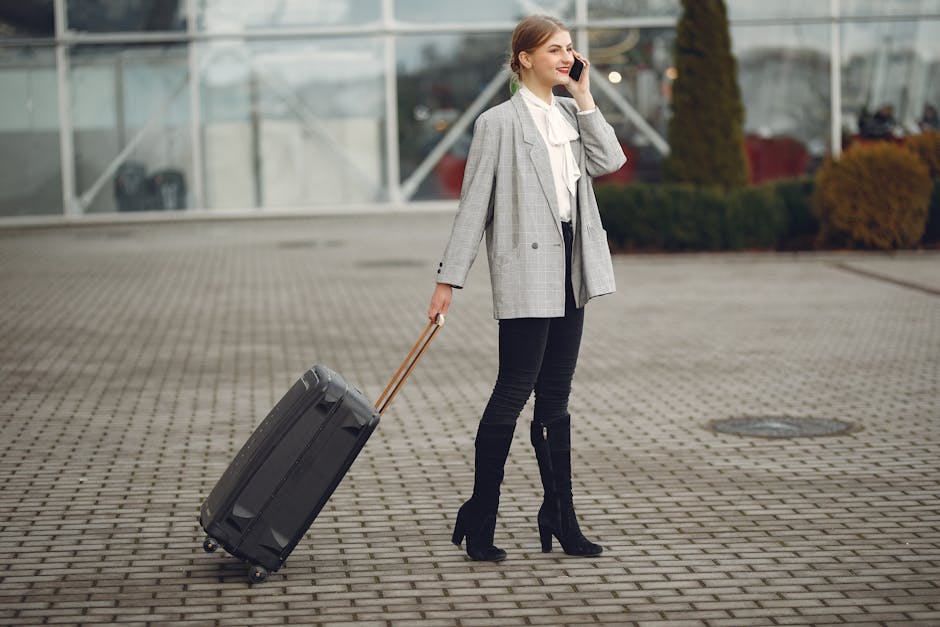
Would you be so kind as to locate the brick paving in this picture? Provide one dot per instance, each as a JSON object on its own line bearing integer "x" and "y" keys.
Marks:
{"x": 137, "y": 358}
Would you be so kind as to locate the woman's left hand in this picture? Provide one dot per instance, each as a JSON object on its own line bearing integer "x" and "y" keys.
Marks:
{"x": 580, "y": 89}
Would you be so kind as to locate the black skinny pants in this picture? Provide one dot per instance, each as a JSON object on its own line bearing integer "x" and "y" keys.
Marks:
{"x": 537, "y": 354}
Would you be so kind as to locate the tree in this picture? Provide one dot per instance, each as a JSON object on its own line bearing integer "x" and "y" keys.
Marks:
{"x": 706, "y": 131}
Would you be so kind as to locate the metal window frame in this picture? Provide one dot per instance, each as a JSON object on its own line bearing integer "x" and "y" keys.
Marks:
{"x": 70, "y": 206}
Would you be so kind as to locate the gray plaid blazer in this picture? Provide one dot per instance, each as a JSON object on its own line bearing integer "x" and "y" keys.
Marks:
{"x": 509, "y": 194}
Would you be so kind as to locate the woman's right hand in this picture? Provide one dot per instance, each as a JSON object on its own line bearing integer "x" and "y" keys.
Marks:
{"x": 440, "y": 300}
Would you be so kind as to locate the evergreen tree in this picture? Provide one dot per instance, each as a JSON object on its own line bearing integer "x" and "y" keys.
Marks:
{"x": 706, "y": 133}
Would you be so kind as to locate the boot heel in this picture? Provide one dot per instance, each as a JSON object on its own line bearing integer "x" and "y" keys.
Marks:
{"x": 545, "y": 535}
{"x": 459, "y": 534}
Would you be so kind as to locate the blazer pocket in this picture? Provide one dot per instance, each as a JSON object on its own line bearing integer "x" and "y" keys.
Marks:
{"x": 598, "y": 233}
{"x": 505, "y": 261}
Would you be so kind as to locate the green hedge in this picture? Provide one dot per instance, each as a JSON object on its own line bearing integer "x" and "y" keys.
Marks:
{"x": 802, "y": 223}
{"x": 679, "y": 217}
{"x": 753, "y": 217}
{"x": 660, "y": 217}
{"x": 932, "y": 231}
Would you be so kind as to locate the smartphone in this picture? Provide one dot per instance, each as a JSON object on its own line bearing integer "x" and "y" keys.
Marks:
{"x": 576, "y": 68}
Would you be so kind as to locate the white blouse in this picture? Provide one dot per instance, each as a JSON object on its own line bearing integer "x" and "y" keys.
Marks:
{"x": 557, "y": 133}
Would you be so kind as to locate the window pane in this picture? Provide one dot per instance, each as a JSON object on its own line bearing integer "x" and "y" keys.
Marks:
{"x": 783, "y": 72}
{"x": 634, "y": 65}
{"x": 283, "y": 131}
{"x": 861, "y": 8}
{"x": 130, "y": 111}
{"x": 30, "y": 171}
{"x": 890, "y": 76}
{"x": 752, "y": 10}
{"x": 238, "y": 15}
{"x": 106, "y": 16}
{"x": 614, "y": 9}
{"x": 480, "y": 10}
{"x": 27, "y": 18}
{"x": 438, "y": 78}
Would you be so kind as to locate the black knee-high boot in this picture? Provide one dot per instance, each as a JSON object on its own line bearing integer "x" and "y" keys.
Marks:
{"x": 476, "y": 519}
{"x": 556, "y": 517}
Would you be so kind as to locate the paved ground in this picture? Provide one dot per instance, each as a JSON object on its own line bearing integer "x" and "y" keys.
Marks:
{"x": 136, "y": 359}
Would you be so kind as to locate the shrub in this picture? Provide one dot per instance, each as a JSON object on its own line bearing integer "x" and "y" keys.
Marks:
{"x": 679, "y": 217}
{"x": 875, "y": 195}
{"x": 754, "y": 217}
{"x": 932, "y": 230}
{"x": 661, "y": 217}
{"x": 927, "y": 147}
{"x": 706, "y": 131}
{"x": 694, "y": 215}
{"x": 802, "y": 226}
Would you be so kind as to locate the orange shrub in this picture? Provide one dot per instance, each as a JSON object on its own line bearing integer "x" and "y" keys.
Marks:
{"x": 875, "y": 196}
{"x": 927, "y": 147}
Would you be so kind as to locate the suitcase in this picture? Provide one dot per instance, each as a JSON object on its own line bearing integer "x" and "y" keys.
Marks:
{"x": 287, "y": 470}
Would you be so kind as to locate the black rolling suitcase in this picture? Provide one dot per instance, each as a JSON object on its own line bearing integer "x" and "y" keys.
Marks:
{"x": 289, "y": 467}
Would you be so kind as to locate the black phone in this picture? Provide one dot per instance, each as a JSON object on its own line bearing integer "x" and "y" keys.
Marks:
{"x": 576, "y": 68}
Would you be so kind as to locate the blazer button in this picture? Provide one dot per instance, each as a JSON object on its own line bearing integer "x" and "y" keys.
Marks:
{"x": 535, "y": 244}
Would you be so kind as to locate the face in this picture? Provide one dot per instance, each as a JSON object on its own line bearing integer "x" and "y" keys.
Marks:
{"x": 549, "y": 63}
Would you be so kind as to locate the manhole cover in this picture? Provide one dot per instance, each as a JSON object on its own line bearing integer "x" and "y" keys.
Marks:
{"x": 780, "y": 426}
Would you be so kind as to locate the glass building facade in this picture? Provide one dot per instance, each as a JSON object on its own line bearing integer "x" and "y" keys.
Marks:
{"x": 202, "y": 106}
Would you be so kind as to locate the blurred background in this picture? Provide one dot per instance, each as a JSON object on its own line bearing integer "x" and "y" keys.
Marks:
{"x": 212, "y": 105}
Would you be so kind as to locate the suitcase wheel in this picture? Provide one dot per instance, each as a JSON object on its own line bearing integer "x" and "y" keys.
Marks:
{"x": 210, "y": 545}
{"x": 257, "y": 574}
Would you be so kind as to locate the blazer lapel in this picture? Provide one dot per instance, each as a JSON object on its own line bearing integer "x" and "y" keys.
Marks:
{"x": 539, "y": 154}
{"x": 578, "y": 150}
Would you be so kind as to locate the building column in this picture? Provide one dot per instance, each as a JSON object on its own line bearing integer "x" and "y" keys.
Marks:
{"x": 392, "y": 165}
{"x": 835, "y": 78}
{"x": 70, "y": 208}
{"x": 195, "y": 110}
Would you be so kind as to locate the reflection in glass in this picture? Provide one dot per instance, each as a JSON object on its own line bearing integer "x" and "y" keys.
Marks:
{"x": 30, "y": 171}
{"x": 783, "y": 72}
{"x": 438, "y": 78}
{"x": 282, "y": 131}
{"x": 862, "y": 8}
{"x": 890, "y": 76}
{"x": 130, "y": 114}
{"x": 480, "y": 10}
{"x": 616, "y": 9}
{"x": 245, "y": 15}
{"x": 107, "y": 16}
{"x": 27, "y": 19}
{"x": 751, "y": 10}
{"x": 637, "y": 64}
{"x": 290, "y": 122}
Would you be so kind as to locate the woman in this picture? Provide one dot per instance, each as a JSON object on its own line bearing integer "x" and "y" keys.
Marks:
{"x": 527, "y": 186}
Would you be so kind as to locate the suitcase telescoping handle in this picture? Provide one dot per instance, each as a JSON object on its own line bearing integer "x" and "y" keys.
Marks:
{"x": 409, "y": 364}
